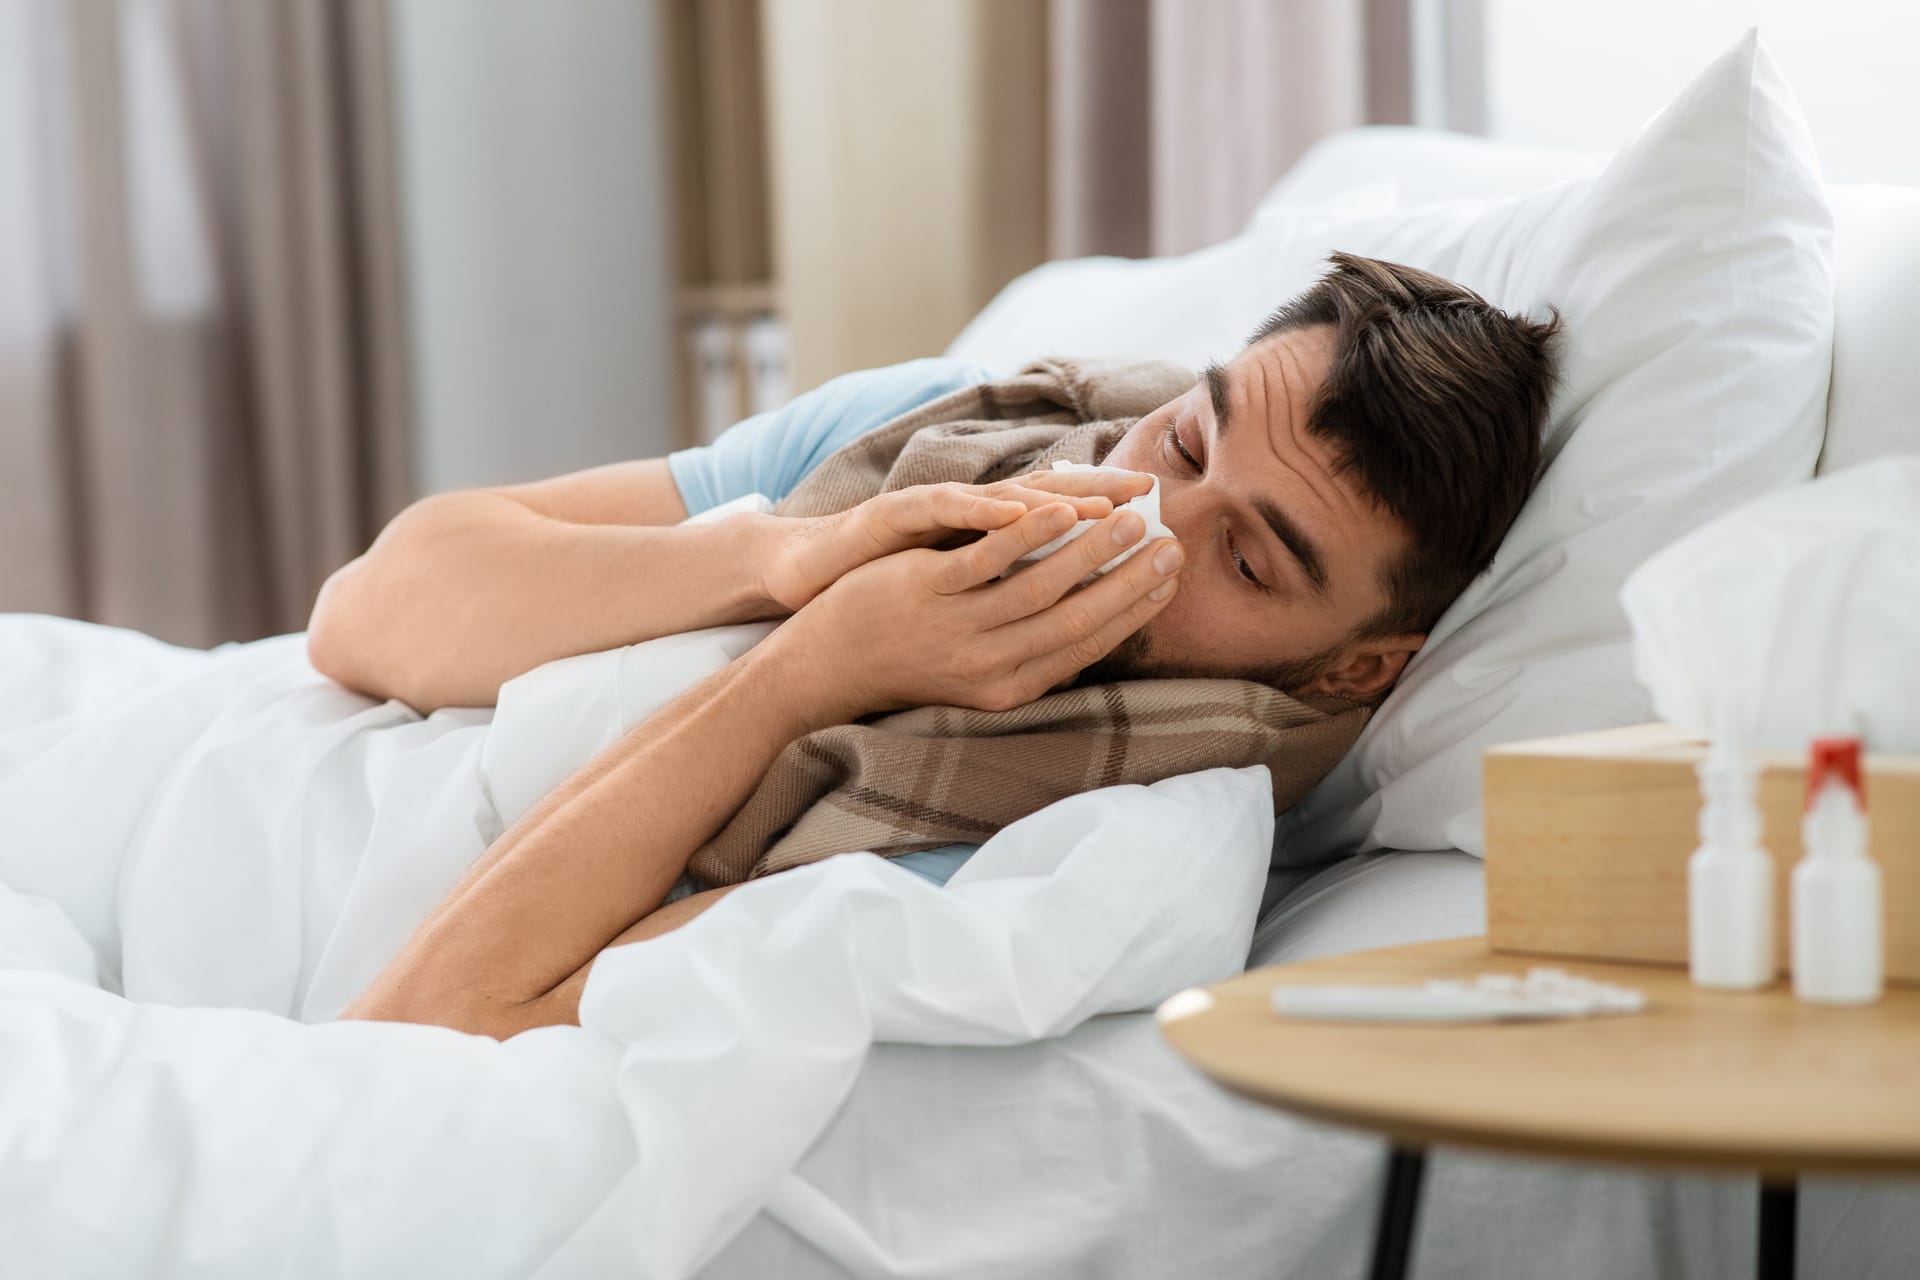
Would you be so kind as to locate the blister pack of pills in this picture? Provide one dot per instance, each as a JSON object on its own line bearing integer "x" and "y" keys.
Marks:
{"x": 1492, "y": 997}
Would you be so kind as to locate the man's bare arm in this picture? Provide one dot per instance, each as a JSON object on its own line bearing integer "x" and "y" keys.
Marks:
{"x": 464, "y": 591}
{"x": 511, "y": 946}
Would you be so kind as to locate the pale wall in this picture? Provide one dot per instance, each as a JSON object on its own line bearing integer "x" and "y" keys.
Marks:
{"x": 1588, "y": 73}
{"x": 538, "y": 261}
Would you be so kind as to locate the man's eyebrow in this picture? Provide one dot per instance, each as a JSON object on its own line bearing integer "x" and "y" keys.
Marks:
{"x": 1217, "y": 389}
{"x": 1295, "y": 539}
{"x": 1291, "y": 535}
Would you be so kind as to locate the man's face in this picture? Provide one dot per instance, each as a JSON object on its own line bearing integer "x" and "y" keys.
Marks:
{"x": 1284, "y": 560}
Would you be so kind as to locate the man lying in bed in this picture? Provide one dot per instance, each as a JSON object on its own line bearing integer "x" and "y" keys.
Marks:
{"x": 1332, "y": 488}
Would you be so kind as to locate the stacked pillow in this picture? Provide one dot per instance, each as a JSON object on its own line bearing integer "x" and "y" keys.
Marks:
{"x": 1694, "y": 276}
{"x": 1874, "y": 407}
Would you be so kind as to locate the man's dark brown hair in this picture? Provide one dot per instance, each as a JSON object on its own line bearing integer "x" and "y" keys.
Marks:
{"x": 1436, "y": 400}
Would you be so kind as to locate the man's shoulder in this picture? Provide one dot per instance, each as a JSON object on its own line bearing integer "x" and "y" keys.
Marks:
{"x": 850, "y": 406}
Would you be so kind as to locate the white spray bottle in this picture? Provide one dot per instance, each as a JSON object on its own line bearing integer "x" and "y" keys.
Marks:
{"x": 1730, "y": 876}
{"x": 1837, "y": 956}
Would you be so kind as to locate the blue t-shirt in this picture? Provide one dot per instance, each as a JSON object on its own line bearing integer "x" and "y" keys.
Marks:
{"x": 773, "y": 452}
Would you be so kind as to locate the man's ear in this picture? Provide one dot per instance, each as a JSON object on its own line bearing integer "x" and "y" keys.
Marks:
{"x": 1367, "y": 669}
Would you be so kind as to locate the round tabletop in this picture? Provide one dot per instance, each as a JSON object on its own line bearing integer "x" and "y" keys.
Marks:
{"x": 1754, "y": 1081}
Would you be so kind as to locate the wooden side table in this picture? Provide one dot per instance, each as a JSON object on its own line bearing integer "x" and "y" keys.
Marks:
{"x": 1756, "y": 1082}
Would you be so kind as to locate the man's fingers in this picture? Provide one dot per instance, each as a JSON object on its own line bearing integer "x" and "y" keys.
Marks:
{"x": 1109, "y": 482}
{"x": 1039, "y": 586}
{"x": 1086, "y": 506}
{"x": 942, "y": 508}
{"x": 956, "y": 508}
{"x": 983, "y": 561}
{"x": 918, "y": 515}
{"x": 1042, "y": 673}
{"x": 1015, "y": 501}
{"x": 1079, "y": 624}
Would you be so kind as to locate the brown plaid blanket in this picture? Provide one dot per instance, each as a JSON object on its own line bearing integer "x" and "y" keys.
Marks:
{"x": 931, "y": 776}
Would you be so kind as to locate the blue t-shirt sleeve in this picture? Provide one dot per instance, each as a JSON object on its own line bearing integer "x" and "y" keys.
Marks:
{"x": 773, "y": 452}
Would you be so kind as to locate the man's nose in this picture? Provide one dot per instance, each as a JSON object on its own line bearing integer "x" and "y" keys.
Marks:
{"x": 1186, "y": 507}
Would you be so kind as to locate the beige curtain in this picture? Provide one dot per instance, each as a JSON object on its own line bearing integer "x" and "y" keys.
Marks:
{"x": 203, "y": 402}
{"x": 1170, "y": 118}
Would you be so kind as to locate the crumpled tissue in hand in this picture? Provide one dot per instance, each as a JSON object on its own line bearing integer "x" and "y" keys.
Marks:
{"x": 1147, "y": 505}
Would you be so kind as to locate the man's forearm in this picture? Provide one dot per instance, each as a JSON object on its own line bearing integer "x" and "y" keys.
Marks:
{"x": 509, "y": 947}
{"x": 466, "y": 591}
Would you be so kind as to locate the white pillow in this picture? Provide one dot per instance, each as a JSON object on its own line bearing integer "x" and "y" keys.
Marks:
{"x": 1421, "y": 166}
{"x": 1874, "y": 407}
{"x": 1694, "y": 274}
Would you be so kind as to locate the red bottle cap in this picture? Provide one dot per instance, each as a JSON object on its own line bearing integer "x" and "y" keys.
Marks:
{"x": 1835, "y": 758}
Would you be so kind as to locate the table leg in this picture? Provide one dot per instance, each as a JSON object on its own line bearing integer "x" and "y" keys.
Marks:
{"x": 1779, "y": 1223}
{"x": 1399, "y": 1210}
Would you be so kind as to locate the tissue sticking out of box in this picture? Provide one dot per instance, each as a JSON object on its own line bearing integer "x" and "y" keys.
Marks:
{"x": 1793, "y": 617}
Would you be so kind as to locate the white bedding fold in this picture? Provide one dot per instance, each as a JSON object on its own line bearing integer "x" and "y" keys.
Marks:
{"x": 230, "y": 829}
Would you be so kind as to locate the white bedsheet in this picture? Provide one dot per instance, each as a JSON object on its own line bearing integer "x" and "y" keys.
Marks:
{"x": 200, "y": 852}
{"x": 141, "y": 1139}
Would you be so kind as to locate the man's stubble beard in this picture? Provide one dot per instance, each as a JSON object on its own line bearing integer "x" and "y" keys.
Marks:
{"x": 1134, "y": 659}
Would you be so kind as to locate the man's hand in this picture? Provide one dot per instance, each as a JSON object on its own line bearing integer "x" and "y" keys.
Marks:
{"x": 809, "y": 554}
{"x": 924, "y": 627}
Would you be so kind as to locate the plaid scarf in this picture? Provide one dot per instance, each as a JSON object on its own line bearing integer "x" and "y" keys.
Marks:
{"x": 933, "y": 776}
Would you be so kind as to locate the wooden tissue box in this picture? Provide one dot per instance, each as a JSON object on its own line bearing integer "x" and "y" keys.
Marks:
{"x": 1588, "y": 838}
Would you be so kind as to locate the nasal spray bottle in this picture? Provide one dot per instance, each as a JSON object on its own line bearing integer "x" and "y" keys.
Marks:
{"x": 1729, "y": 877}
{"x": 1836, "y": 886}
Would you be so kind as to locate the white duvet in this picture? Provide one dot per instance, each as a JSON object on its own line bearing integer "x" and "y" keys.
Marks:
{"x": 203, "y": 853}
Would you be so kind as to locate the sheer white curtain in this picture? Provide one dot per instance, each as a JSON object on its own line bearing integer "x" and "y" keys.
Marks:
{"x": 202, "y": 385}
{"x": 1170, "y": 118}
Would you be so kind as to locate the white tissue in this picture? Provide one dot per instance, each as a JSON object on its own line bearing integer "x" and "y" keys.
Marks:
{"x": 1147, "y": 505}
{"x": 1794, "y": 616}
